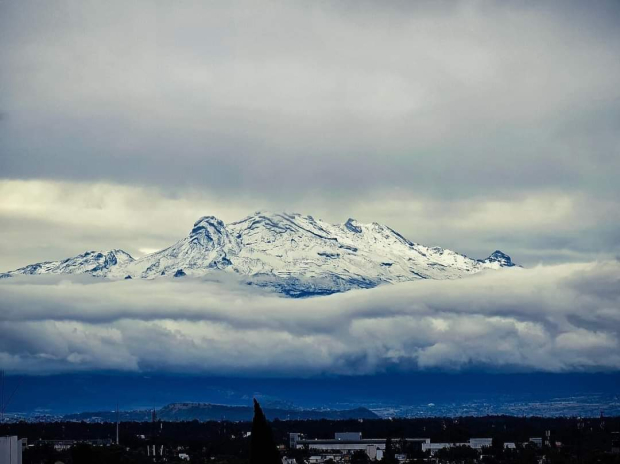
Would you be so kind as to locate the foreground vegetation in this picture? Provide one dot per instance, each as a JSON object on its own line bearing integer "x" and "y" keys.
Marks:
{"x": 572, "y": 440}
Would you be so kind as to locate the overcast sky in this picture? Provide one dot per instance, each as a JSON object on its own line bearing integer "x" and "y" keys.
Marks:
{"x": 472, "y": 125}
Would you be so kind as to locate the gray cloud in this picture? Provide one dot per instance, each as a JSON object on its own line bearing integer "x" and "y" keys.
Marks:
{"x": 428, "y": 116}
{"x": 469, "y": 125}
{"x": 456, "y": 99}
{"x": 550, "y": 318}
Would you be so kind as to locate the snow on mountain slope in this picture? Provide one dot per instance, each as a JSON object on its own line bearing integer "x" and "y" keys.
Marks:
{"x": 497, "y": 260}
{"x": 297, "y": 255}
{"x": 207, "y": 248}
{"x": 96, "y": 263}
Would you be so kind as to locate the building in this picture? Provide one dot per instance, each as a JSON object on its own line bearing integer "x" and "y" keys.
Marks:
{"x": 479, "y": 443}
{"x": 348, "y": 436}
{"x": 62, "y": 445}
{"x": 10, "y": 450}
{"x": 537, "y": 442}
{"x": 434, "y": 447}
{"x": 615, "y": 442}
{"x": 347, "y": 443}
{"x": 318, "y": 459}
{"x": 475, "y": 443}
{"x": 293, "y": 438}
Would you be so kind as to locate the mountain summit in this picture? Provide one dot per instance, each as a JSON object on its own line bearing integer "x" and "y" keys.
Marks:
{"x": 498, "y": 259}
{"x": 296, "y": 255}
{"x": 96, "y": 263}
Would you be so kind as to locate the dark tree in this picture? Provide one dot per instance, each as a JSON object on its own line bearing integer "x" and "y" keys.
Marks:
{"x": 389, "y": 457}
{"x": 262, "y": 447}
{"x": 463, "y": 454}
{"x": 359, "y": 457}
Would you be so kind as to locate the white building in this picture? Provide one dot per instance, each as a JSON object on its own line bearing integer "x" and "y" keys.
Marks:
{"x": 348, "y": 443}
{"x": 479, "y": 443}
{"x": 10, "y": 450}
{"x": 322, "y": 458}
{"x": 537, "y": 441}
{"x": 348, "y": 436}
{"x": 474, "y": 443}
{"x": 434, "y": 447}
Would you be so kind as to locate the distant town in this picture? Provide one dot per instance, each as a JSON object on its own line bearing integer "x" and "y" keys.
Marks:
{"x": 490, "y": 439}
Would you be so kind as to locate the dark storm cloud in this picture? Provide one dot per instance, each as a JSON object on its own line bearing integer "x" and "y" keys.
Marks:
{"x": 554, "y": 318}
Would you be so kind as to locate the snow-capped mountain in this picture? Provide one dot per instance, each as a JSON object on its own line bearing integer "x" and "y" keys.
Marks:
{"x": 297, "y": 255}
{"x": 498, "y": 259}
{"x": 96, "y": 263}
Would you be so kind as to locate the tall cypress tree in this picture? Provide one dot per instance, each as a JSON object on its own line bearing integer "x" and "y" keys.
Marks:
{"x": 263, "y": 449}
{"x": 389, "y": 456}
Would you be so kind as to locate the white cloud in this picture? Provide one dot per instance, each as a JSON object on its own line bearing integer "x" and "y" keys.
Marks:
{"x": 551, "y": 318}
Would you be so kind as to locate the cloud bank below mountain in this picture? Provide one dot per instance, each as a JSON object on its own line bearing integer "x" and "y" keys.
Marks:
{"x": 563, "y": 318}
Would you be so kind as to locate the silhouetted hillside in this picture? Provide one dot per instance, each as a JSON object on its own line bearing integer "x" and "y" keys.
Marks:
{"x": 209, "y": 412}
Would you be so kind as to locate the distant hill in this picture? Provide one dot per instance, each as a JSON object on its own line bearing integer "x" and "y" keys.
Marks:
{"x": 177, "y": 412}
{"x": 391, "y": 394}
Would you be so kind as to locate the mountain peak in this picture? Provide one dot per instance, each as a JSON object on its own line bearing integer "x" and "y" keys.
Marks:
{"x": 210, "y": 232}
{"x": 353, "y": 226}
{"x": 97, "y": 263}
{"x": 118, "y": 256}
{"x": 209, "y": 228}
{"x": 207, "y": 221}
{"x": 500, "y": 258}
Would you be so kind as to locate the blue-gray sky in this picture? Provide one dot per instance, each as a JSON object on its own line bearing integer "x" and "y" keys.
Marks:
{"x": 472, "y": 125}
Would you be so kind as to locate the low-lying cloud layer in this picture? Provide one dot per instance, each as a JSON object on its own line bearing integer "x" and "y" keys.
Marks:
{"x": 550, "y": 318}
